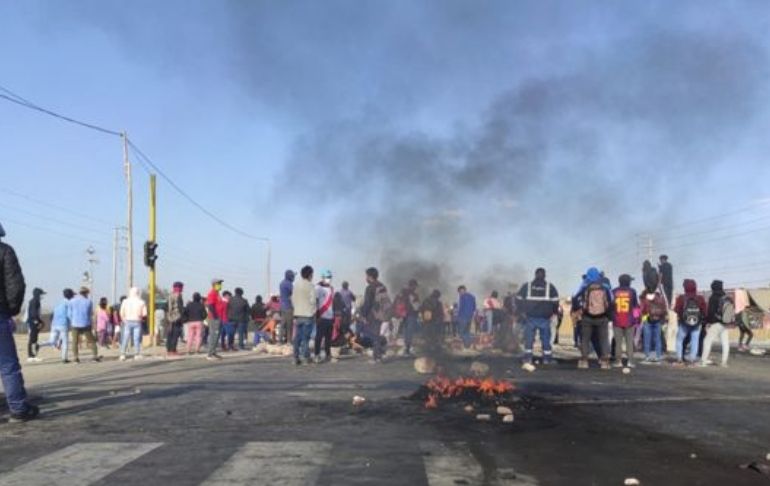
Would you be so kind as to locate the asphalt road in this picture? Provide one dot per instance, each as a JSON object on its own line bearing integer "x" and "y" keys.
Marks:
{"x": 260, "y": 420}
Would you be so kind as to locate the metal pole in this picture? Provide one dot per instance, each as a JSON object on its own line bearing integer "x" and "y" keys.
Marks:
{"x": 151, "y": 311}
{"x": 130, "y": 219}
{"x": 269, "y": 261}
{"x": 115, "y": 267}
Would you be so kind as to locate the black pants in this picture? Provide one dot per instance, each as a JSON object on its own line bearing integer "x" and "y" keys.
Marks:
{"x": 600, "y": 325}
{"x": 174, "y": 333}
{"x": 324, "y": 332}
{"x": 32, "y": 346}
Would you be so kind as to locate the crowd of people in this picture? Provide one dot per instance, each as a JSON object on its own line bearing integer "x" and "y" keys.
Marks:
{"x": 314, "y": 317}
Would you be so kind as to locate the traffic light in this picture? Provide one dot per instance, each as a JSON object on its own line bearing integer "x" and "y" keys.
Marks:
{"x": 149, "y": 253}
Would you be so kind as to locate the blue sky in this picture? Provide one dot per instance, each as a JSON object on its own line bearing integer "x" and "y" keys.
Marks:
{"x": 482, "y": 136}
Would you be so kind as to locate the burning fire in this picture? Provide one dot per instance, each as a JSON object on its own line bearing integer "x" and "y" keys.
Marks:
{"x": 442, "y": 387}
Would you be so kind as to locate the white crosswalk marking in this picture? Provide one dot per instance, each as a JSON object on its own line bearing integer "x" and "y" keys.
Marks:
{"x": 265, "y": 463}
{"x": 450, "y": 464}
{"x": 77, "y": 465}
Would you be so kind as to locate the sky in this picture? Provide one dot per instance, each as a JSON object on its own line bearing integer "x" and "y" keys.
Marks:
{"x": 454, "y": 141}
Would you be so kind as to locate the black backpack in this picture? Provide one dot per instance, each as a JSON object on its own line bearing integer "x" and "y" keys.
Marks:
{"x": 692, "y": 315}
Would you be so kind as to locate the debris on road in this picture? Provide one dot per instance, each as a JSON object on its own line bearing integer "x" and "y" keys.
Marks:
{"x": 358, "y": 401}
{"x": 528, "y": 367}
{"x": 483, "y": 417}
{"x": 424, "y": 365}
{"x": 758, "y": 467}
{"x": 626, "y": 370}
{"x": 758, "y": 351}
{"x": 508, "y": 419}
{"x": 631, "y": 482}
{"x": 693, "y": 456}
{"x": 468, "y": 408}
{"x": 479, "y": 369}
{"x": 501, "y": 410}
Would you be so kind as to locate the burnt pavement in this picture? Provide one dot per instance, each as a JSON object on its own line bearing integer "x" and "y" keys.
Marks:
{"x": 253, "y": 419}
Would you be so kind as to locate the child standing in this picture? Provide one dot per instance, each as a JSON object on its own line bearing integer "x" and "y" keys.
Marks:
{"x": 102, "y": 322}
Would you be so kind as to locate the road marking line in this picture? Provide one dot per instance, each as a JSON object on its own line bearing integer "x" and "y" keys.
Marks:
{"x": 266, "y": 463}
{"x": 450, "y": 464}
{"x": 631, "y": 401}
{"x": 78, "y": 464}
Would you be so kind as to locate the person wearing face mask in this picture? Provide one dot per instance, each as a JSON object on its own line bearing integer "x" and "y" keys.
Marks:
{"x": 325, "y": 316}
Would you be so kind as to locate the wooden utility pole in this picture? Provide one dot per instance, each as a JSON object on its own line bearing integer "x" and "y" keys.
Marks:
{"x": 130, "y": 218}
{"x": 151, "y": 310}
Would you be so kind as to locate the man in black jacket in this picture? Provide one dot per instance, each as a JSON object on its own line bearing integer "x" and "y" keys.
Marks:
{"x": 34, "y": 324}
{"x": 11, "y": 297}
{"x": 238, "y": 311}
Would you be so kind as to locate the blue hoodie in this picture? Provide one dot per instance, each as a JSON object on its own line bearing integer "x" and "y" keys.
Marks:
{"x": 287, "y": 289}
{"x": 466, "y": 307}
{"x": 61, "y": 315}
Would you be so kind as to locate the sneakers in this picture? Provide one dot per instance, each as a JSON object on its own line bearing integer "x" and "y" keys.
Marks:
{"x": 631, "y": 364}
{"x": 604, "y": 364}
{"x": 213, "y": 357}
{"x": 122, "y": 357}
{"x": 618, "y": 363}
{"x": 30, "y": 414}
{"x": 34, "y": 359}
{"x": 583, "y": 364}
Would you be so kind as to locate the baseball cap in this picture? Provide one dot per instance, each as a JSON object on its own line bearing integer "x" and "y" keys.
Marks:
{"x": 216, "y": 281}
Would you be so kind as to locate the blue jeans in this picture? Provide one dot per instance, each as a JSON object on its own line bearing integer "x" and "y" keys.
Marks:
{"x": 228, "y": 335}
{"x": 243, "y": 331}
{"x": 533, "y": 325}
{"x": 681, "y": 334}
{"x": 411, "y": 327}
{"x": 652, "y": 337}
{"x": 131, "y": 329}
{"x": 10, "y": 369}
{"x": 464, "y": 329}
{"x": 59, "y": 333}
{"x": 304, "y": 328}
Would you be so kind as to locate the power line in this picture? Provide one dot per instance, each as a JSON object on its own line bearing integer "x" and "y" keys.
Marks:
{"x": 55, "y": 220}
{"x": 190, "y": 198}
{"x": 14, "y": 98}
{"x": 54, "y": 206}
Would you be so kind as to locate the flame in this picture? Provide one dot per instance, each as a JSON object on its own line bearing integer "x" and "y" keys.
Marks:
{"x": 442, "y": 387}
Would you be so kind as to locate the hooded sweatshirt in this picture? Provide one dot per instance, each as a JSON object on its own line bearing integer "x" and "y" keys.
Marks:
{"x": 690, "y": 292}
{"x": 287, "y": 289}
{"x": 133, "y": 309}
{"x": 717, "y": 292}
{"x": 33, "y": 309}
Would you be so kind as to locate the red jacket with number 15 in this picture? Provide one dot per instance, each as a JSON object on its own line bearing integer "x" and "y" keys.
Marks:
{"x": 625, "y": 301}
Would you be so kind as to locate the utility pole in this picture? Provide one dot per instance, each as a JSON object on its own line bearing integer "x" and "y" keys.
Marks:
{"x": 130, "y": 216}
{"x": 92, "y": 261}
{"x": 115, "y": 266}
{"x": 152, "y": 244}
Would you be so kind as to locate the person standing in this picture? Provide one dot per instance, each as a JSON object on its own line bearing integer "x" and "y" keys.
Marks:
{"x": 624, "y": 322}
{"x": 720, "y": 318}
{"x": 175, "y": 318}
{"x": 539, "y": 303}
{"x": 258, "y": 315}
{"x": 214, "y": 320}
{"x": 117, "y": 323}
{"x": 133, "y": 311}
{"x": 492, "y": 307}
{"x": 743, "y": 318}
{"x": 432, "y": 314}
{"x": 346, "y": 313}
{"x": 102, "y": 322}
{"x": 691, "y": 309}
{"x": 238, "y": 314}
{"x": 654, "y": 311}
{"x": 195, "y": 314}
{"x": 303, "y": 304}
{"x": 325, "y": 325}
{"x": 411, "y": 319}
{"x": 377, "y": 307}
{"x": 81, "y": 316}
{"x": 466, "y": 309}
{"x": 287, "y": 310}
{"x": 34, "y": 324}
{"x": 666, "y": 272}
{"x": 12, "y": 287}
{"x": 594, "y": 316}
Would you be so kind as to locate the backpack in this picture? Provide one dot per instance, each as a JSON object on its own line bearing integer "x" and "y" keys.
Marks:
{"x": 399, "y": 307}
{"x": 427, "y": 315}
{"x": 657, "y": 310}
{"x": 692, "y": 315}
{"x": 595, "y": 302}
{"x": 726, "y": 312}
{"x": 383, "y": 306}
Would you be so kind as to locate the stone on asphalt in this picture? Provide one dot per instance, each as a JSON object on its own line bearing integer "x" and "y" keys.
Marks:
{"x": 479, "y": 369}
{"x": 424, "y": 365}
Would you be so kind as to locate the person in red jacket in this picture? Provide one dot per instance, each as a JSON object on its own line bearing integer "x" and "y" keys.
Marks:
{"x": 691, "y": 309}
{"x": 623, "y": 322}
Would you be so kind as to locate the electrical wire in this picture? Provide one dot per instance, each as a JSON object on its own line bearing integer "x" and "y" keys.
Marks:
{"x": 11, "y": 192}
